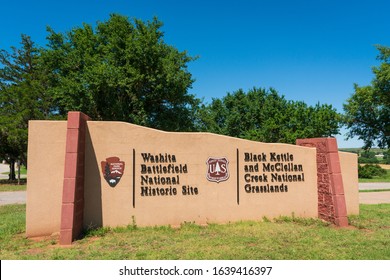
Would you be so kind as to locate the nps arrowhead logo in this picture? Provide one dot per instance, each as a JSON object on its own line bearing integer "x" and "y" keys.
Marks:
{"x": 113, "y": 170}
{"x": 217, "y": 169}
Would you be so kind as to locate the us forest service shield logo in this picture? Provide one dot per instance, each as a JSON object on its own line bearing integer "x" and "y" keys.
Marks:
{"x": 113, "y": 170}
{"x": 217, "y": 169}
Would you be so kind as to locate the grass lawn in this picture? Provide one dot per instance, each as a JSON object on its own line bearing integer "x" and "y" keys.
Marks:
{"x": 368, "y": 237}
{"x": 12, "y": 188}
{"x": 379, "y": 190}
{"x": 6, "y": 186}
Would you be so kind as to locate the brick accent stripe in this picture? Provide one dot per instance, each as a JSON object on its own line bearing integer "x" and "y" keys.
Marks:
{"x": 331, "y": 199}
{"x": 72, "y": 210}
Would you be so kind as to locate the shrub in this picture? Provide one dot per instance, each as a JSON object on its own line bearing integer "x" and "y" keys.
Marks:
{"x": 370, "y": 170}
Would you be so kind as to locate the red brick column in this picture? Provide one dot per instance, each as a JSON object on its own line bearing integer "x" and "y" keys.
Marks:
{"x": 72, "y": 210}
{"x": 331, "y": 199}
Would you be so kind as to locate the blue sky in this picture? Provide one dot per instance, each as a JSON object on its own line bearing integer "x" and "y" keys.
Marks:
{"x": 312, "y": 51}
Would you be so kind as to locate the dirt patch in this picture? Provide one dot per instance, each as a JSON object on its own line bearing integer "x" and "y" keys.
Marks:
{"x": 91, "y": 239}
{"x": 41, "y": 238}
{"x": 35, "y": 251}
{"x": 348, "y": 227}
{"x": 385, "y": 166}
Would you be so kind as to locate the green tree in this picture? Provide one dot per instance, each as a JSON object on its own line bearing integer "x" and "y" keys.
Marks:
{"x": 367, "y": 111}
{"x": 382, "y": 76}
{"x": 264, "y": 115}
{"x": 367, "y": 157}
{"x": 386, "y": 157}
{"x": 23, "y": 97}
{"x": 122, "y": 70}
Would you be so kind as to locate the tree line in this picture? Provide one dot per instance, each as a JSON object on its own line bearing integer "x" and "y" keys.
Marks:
{"x": 122, "y": 70}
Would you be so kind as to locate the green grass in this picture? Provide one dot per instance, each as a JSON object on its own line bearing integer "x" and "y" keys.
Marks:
{"x": 12, "y": 226}
{"x": 360, "y": 150}
{"x": 12, "y": 187}
{"x": 283, "y": 238}
{"x": 9, "y": 186}
{"x": 379, "y": 190}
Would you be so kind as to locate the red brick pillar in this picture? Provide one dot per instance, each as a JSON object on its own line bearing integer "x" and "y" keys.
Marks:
{"x": 331, "y": 199}
{"x": 72, "y": 210}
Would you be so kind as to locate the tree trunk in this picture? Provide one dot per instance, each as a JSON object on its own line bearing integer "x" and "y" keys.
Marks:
{"x": 12, "y": 170}
{"x": 18, "y": 172}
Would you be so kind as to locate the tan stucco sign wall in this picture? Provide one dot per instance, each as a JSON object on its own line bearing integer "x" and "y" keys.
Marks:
{"x": 46, "y": 158}
{"x": 150, "y": 177}
{"x": 171, "y": 178}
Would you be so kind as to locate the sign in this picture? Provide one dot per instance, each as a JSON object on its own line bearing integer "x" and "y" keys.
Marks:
{"x": 217, "y": 169}
{"x": 113, "y": 170}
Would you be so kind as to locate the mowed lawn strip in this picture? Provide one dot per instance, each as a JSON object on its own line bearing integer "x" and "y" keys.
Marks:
{"x": 368, "y": 237}
{"x": 12, "y": 188}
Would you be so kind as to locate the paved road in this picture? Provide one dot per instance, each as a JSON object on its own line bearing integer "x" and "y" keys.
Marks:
{"x": 374, "y": 197}
{"x": 4, "y": 168}
{"x": 13, "y": 197}
{"x": 374, "y": 186}
{"x": 10, "y": 197}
